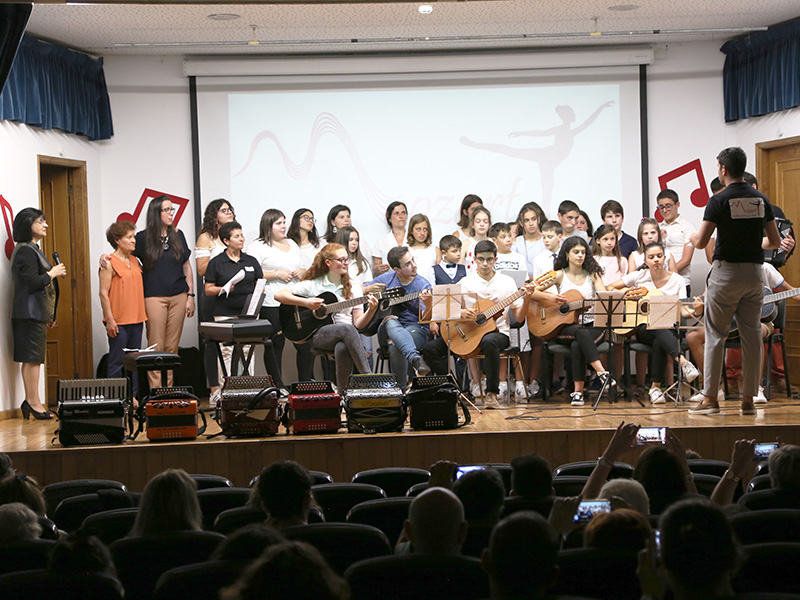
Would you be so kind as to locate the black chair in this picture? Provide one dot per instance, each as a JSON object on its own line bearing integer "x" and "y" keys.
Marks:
{"x": 56, "y": 492}
{"x": 395, "y": 481}
{"x": 708, "y": 466}
{"x": 512, "y": 504}
{"x": 766, "y": 526}
{"x": 769, "y": 568}
{"x": 202, "y": 581}
{"x": 440, "y": 577}
{"x": 72, "y": 511}
{"x": 762, "y": 468}
{"x": 598, "y": 574}
{"x": 49, "y": 529}
{"x": 387, "y": 514}
{"x": 342, "y": 544}
{"x": 705, "y": 484}
{"x": 44, "y": 584}
{"x": 25, "y": 555}
{"x": 233, "y": 519}
{"x": 779, "y": 336}
{"x": 110, "y": 525}
{"x": 759, "y": 482}
{"x": 215, "y": 500}
{"x": 584, "y": 468}
{"x": 560, "y": 346}
{"x": 319, "y": 478}
{"x": 417, "y": 489}
{"x": 764, "y": 499}
{"x": 140, "y": 561}
{"x": 569, "y": 485}
{"x": 205, "y": 482}
{"x": 477, "y": 539}
{"x": 336, "y": 499}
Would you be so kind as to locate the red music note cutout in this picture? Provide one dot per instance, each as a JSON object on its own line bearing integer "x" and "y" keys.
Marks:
{"x": 699, "y": 196}
{"x": 8, "y": 217}
{"x": 149, "y": 194}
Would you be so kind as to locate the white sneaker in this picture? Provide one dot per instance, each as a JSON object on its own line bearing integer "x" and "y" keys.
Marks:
{"x": 503, "y": 390}
{"x": 698, "y": 397}
{"x": 657, "y": 396}
{"x": 576, "y": 399}
{"x": 519, "y": 392}
{"x": 476, "y": 390}
{"x": 490, "y": 401}
{"x": 533, "y": 388}
{"x": 760, "y": 398}
{"x": 690, "y": 372}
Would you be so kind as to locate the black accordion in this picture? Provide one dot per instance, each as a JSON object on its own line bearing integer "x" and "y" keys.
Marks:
{"x": 91, "y": 411}
{"x": 433, "y": 403}
{"x": 374, "y": 404}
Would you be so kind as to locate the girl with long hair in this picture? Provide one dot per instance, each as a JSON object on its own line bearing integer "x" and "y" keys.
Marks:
{"x": 649, "y": 232}
{"x": 169, "y": 503}
{"x": 303, "y": 230}
{"x": 529, "y": 242}
{"x": 420, "y": 243}
{"x": 468, "y": 204}
{"x": 480, "y": 221}
{"x": 338, "y": 217}
{"x": 605, "y": 249}
{"x": 329, "y": 273}
{"x": 396, "y": 216}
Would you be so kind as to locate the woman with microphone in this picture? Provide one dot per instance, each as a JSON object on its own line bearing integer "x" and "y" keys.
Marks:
{"x": 34, "y": 304}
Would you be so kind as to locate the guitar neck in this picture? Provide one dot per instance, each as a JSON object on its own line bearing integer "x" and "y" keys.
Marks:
{"x": 344, "y": 304}
{"x": 406, "y": 298}
{"x": 778, "y": 296}
{"x": 504, "y": 303}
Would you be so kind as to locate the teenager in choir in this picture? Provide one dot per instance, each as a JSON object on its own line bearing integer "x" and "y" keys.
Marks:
{"x": 480, "y": 222}
{"x": 329, "y": 273}
{"x": 282, "y": 263}
{"x": 529, "y": 241}
{"x": 613, "y": 214}
{"x": 420, "y": 243}
{"x": 396, "y": 216}
{"x": 221, "y": 269}
{"x": 568, "y": 214}
{"x": 585, "y": 224}
{"x": 338, "y": 216}
{"x": 649, "y": 231}
{"x": 654, "y": 276}
{"x": 402, "y": 327}
{"x": 208, "y": 245}
{"x": 122, "y": 298}
{"x": 606, "y": 251}
{"x": 552, "y": 237}
{"x": 484, "y": 283}
{"x": 576, "y": 269}
{"x": 468, "y": 204}
{"x": 450, "y": 269}
{"x": 303, "y": 230}
{"x": 33, "y": 306}
{"x": 675, "y": 231}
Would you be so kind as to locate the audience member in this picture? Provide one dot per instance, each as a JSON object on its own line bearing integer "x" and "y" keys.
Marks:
{"x": 285, "y": 491}
{"x": 6, "y": 467}
{"x": 622, "y": 530}
{"x": 531, "y": 485}
{"x": 18, "y": 523}
{"x": 247, "y": 543}
{"x": 79, "y": 553}
{"x": 630, "y": 491}
{"x": 169, "y": 503}
{"x": 436, "y": 523}
{"x": 784, "y": 474}
{"x": 22, "y": 488}
{"x": 481, "y": 492}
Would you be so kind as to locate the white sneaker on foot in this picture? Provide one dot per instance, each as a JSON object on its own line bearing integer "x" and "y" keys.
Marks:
{"x": 476, "y": 390}
{"x": 503, "y": 390}
{"x": 576, "y": 399}
{"x": 690, "y": 372}
{"x": 533, "y": 388}
{"x": 657, "y": 396}
{"x": 760, "y": 398}
{"x": 519, "y": 392}
{"x": 490, "y": 401}
{"x": 698, "y": 397}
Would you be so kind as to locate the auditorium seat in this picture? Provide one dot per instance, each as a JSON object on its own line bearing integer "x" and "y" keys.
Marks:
{"x": 765, "y": 526}
{"x": 477, "y": 539}
{"x": 762, "y": 468}
{"x": 318, "y": 477}
{"x": 24, "y": 555}
{"x": 233, "y": 519}
{"x": 71, "y": 512}
{"x": 49, "y": 529}
{"x": 598, "y": 574}
{"x": 201, "y": 581}
{"x": 417, "y": 489}
{"x": 39, "y": 584}
{"x": 140, "y": 561}
{"x": 769, "y": 568}
{"x": 205, "y": 482}
{"x": 759, "y": 482}
{"x": 584, "y": 468}
{"x": 705, "y": 484}
{"x": 110, "y": 525}
{"x": 512, "y": 504}
{"x": 770, "y": 498}
{"x": 395, "y": 481}
{"x": 336, "y": 499}
{"x": 56, "y": 492}
{"x": 215, "y": 500}
{"x": 342, "y": 544}
{"x": 387, "y": 514}
{"x": 418, "y": 577}
{"x": 569, "y": 485}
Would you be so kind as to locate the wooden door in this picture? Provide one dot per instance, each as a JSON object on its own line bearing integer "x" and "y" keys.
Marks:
{"x": 778, "y": 172}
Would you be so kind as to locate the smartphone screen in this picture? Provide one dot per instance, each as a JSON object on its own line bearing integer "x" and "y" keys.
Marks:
{"x": 762, "y": 451}
{"x": 589, "y": 508}
{"x": 651, "y": 435}
{"x": 657, "y": 538}
{"x": 466, "y": 469}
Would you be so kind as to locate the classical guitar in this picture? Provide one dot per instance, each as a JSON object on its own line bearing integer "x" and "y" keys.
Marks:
{"x": 637, "y": 309}
{"x": 768, "y": 309}
{"x": 300, "y": 323}
{"x": 464, "y": 337}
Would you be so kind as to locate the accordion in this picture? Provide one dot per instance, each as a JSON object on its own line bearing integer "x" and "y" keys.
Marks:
{"x": 315, "y": 407}
{"x": 171, "y": 414}
{"x": 433, "y": 403}
{"x": 91, "y": 411}
{"x": 374, "y": 404}
{"x": 248, "y": 406}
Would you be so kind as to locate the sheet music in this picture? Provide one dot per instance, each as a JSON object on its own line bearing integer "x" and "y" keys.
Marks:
{"x": 232, "y": 282}
{"x": 601, "y": 309}
{"x": 257, "y": 298}
{"x": 665, "y": 312}
{"x": 448, "y": 306}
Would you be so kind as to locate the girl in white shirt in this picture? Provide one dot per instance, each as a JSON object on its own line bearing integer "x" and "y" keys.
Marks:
{"x": 649, "y": 231}
{"x": 303, "y": 230}
{"x": 605, "y": 249}
{"x": 480, "y": 220}
{"x": 420, "y": 243}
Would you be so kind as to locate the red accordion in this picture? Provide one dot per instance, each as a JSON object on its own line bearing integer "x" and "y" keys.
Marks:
{"x": 170, "y": 419}
{"x": 315, "y": 407}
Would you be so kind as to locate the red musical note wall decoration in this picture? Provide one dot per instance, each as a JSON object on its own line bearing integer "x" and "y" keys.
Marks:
{"x": 149, "y": 194}
{"x": 699, "y": 196}
{"x": 8, "y": 217}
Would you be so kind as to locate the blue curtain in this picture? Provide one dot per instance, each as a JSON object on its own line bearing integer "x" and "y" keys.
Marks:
{"x": 53, "y": 87}
{"x": 762, "y": 72}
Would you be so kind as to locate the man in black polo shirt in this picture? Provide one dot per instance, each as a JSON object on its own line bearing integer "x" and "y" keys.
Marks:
{"x": 741, "y": 215}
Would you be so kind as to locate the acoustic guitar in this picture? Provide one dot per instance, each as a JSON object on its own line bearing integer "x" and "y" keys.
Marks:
{"x": 391, "y": 297}
{"x": 768, "y": 309}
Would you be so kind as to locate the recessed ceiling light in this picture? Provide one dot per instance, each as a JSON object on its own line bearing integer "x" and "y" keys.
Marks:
{"x": 425, "y": 9}
{"x": 623, "y": 7}
{"x": 223, "y": 17}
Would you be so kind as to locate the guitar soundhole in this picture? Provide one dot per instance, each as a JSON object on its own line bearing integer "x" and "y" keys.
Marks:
{"x": 563, "y": 309}
{"x": 320, "y": 313}
{"x": 480, "y": 319}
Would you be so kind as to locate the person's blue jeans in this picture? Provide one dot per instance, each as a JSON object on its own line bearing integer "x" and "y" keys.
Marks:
{"x": 406, "y": 342}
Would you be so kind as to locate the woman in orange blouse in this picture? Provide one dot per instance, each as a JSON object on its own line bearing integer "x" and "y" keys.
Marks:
{"x": 122, "y": 297}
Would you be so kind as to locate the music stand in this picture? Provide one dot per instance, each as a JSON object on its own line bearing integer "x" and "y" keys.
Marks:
{"x": 612, "y": 312}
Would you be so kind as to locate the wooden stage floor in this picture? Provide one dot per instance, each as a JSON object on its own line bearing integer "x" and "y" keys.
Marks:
{"x": 556, "y": 431}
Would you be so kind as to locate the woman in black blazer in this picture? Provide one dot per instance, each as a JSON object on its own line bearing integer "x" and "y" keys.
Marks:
{"x": 34, "y": 304}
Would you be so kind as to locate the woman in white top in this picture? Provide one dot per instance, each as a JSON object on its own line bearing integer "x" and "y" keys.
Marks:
{"x": 576, "y": 269}
{"x": 649, "y": 231}
{"x": 468, "y": 204}
{"x": 529, "y": 241}
{"x": 281, "y": 262}
{"x": 218, "y": 212}
{"x": 396, "y": 216}
{"x": 420, "y": 243}
{"x": 303, "y": 230}
{"x": 328, "y": 273}
{"x": 338, "y": 217}
{"x": 654, "y": 276}
{"x": 480, "y": 220}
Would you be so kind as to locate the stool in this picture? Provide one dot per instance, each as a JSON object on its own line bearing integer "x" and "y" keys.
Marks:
{"x": 140, "y": 363}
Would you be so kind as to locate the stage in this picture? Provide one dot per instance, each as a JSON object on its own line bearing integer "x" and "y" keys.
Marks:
{"x": 555, "y": 430}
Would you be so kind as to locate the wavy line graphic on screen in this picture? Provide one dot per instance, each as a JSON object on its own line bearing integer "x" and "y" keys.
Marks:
{"x": 149, "y": 194}
{"x": 699, "y": 196}
{"x": 549, "y": 157}
{"x": 325, "y": 123}
{"x": 8, "y": 218}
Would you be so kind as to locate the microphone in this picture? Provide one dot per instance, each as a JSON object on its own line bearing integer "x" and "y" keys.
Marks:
{"x": 57, "y": 260}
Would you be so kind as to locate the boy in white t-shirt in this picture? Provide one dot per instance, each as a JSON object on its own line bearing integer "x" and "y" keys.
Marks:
{"x": 552, "y": 238}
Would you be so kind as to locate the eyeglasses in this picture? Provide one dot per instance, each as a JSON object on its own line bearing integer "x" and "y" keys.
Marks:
{"x": 342, "y": 260}
{"x": 308, "y": 218}
{"x": 224, "y": 211}
{"x": 169, "y": 210}
{"x": 665, "y": 206}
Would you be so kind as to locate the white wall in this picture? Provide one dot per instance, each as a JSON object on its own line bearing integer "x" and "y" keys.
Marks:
{"x": 151, "y": 148}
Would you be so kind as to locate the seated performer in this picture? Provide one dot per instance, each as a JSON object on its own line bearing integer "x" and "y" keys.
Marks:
{"x": 328, "y": 273}
{"x": 402, "y": 327}
{"x": 653, "y": 276}
{"x": 576, "y": 269}
{"x": 489, "y": 285}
